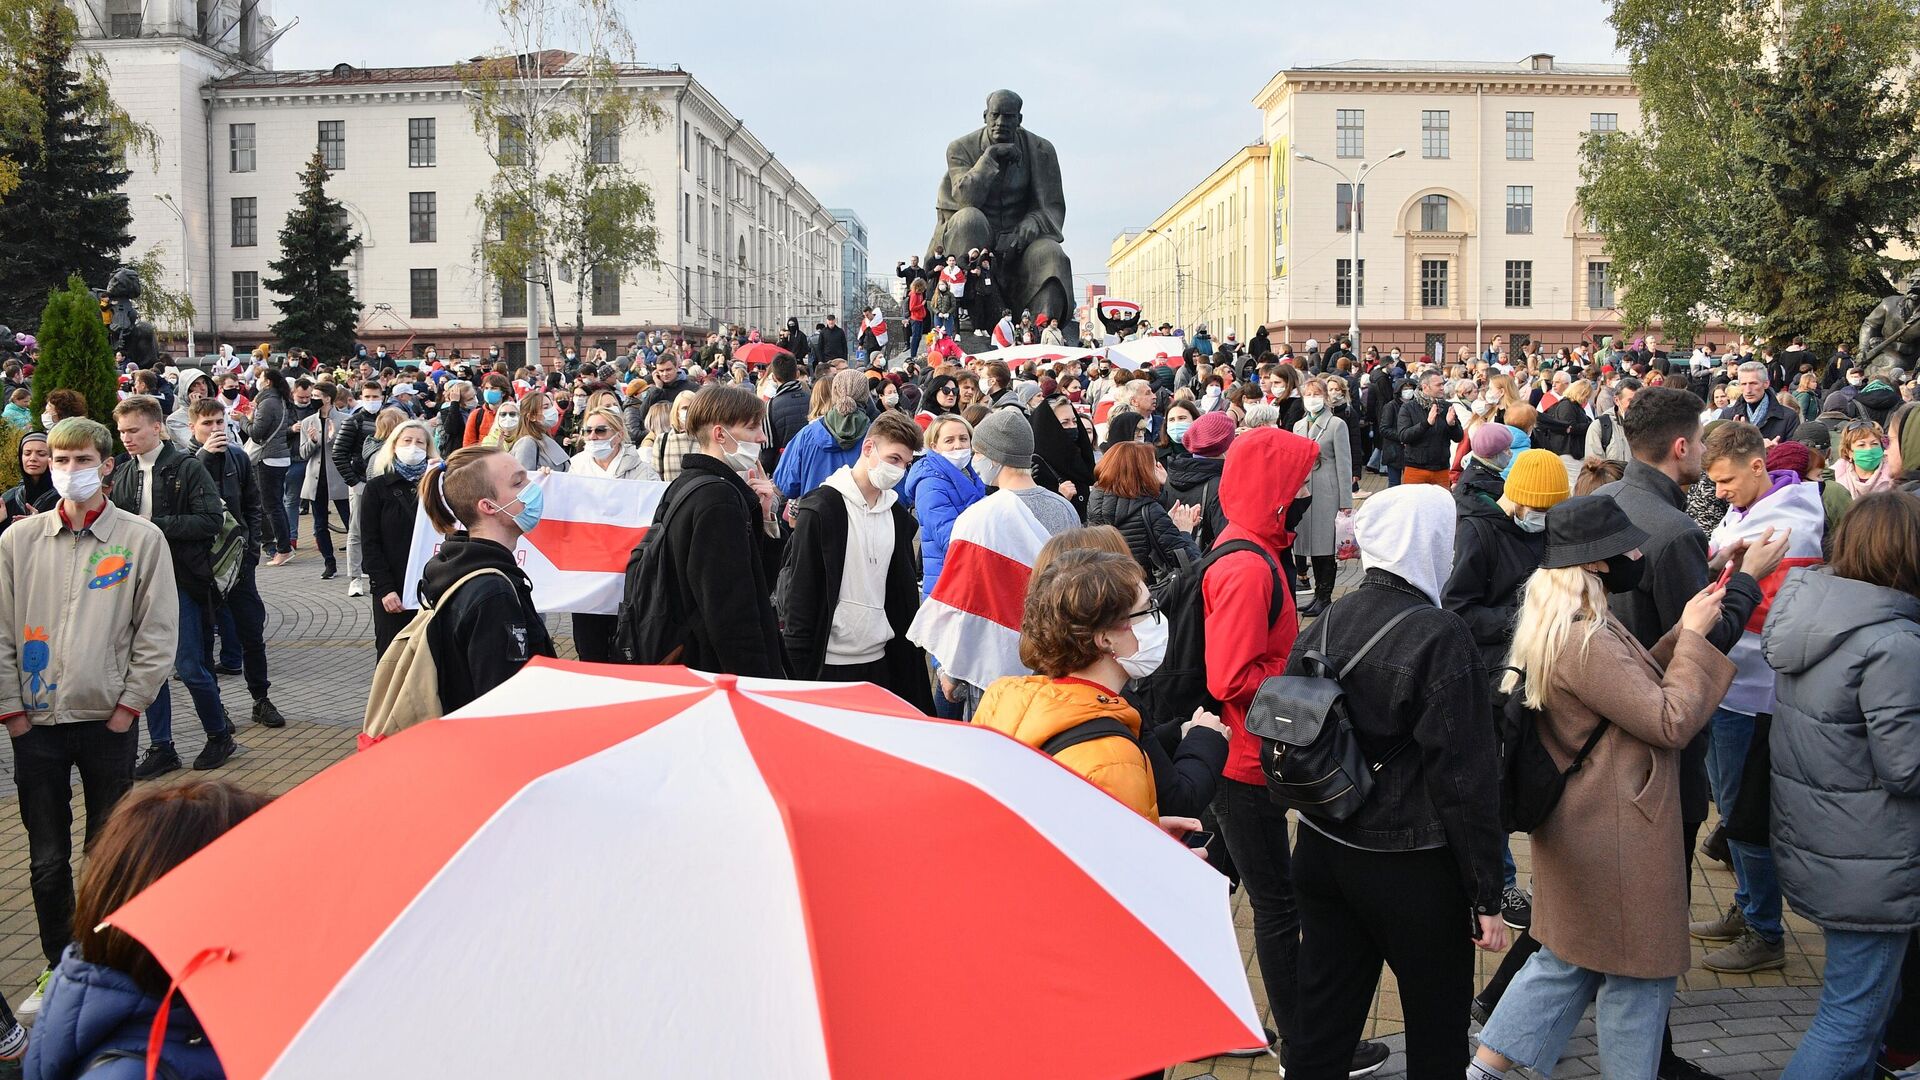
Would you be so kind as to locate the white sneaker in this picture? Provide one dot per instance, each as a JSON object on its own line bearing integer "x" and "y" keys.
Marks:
{"x": 357, "y": 587}
{"x": 31, "y": 1006}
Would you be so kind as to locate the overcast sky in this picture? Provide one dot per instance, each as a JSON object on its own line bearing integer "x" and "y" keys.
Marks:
{"x": 1142, "y": 98}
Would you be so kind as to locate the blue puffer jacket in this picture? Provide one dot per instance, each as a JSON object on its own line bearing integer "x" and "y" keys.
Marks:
{"x": 812, "y": 456}
{"x": 90, "y": 1010}
{"x": 936, "y": 491}
{"x": 1846, "y": 751}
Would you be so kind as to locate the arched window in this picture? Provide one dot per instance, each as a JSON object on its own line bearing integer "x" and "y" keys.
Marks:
{"x": 1433, "y": 213}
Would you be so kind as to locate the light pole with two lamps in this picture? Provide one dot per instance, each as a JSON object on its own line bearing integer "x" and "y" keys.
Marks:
{"x": 1179, "y": 275}
{"x": 1354, "y": 184}
{"x": 186, "y": 267}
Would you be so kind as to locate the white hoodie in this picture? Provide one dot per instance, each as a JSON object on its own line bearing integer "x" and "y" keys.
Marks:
{"x": 860, "y": 629}
{"x": 1408, "y": 531}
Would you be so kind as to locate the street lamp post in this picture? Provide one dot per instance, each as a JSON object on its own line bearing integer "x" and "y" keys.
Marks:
{"x": 1179, "y": 274}
{"x": 186, "y": 264}
{"x": 1354, "y": 184}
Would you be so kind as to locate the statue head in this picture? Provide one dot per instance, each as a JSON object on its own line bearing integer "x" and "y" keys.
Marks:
{"x": 124, "y": 284}
{"x": 1913, "y": 282}
{"x": 1002, "y": 117}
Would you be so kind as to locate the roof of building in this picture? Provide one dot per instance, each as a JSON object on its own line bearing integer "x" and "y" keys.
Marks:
{"x": 1468, "y": 67}
{"x": 556, "y": 62}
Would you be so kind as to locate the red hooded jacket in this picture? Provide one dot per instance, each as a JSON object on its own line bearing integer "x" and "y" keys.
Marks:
{"x": 1265, "y": 470}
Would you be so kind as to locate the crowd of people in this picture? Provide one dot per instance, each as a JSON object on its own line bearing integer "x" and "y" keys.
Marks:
{"x": 1690, "y": 607}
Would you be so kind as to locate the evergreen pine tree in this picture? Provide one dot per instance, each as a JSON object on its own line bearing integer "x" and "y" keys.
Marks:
{"x": 318, "y": 311}
{"x": 69, "y": 214}
{"x": 74, "y": 353}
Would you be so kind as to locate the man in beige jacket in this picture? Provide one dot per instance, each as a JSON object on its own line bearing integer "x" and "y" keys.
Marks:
{"x": 88, "y": 623}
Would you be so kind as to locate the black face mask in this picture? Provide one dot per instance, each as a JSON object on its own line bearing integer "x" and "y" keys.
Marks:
{"x": 231, "y": 393}
{"x": 1623, "y": 574}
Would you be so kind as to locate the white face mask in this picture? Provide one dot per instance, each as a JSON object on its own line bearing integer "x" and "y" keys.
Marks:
{"x": 745, "y": 455}
{"x": 1481, "y": 408}
{"x": 960, "y": 458}
{"x": 371, "y": 406}
{"x": 1152, "y": 635}
{"x": 47, "y": 419}
{"x": 1532, "y": 520}
{"x": 599, "y": 448}
{"x": 1491, "y": 396}
{"x": 988, "y": 470}
{"x": 76, "y": 485}
{"x": 1315, "y": 404}
{"x": 551, "y": 415}
{"x": 884, "y": 475}
{"x": 506, "y": 421}
{"x": 410, "y": 455}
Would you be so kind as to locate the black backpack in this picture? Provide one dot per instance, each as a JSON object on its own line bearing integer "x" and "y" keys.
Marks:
{"x": 1179, "y": 685}
{"x": 1530, "y": 783}
{"x": 1308, "y": 750}
{"x": 1100, "y": 727}
{"x": 651, "y": 628}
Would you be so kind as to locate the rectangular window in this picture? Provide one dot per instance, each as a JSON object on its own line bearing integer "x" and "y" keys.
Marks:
{"x": 239, "y": 147}
{"x": 333, "y": 144}
{"x": 701, "y": 162}
{"x": 1433, "y": 213}
{"x": 606, "y": 290}
{"x": 702, "y": 215}
{"x": 422, "y": 224}
{"x": 1345, "y": 213}
{"x": 246, "y": 222}
{"x": 1435, "y": 133}
{"x": 1519, "y": 136}
{"x": 513, "y": 299}
{"x": 686, "y": 144}
{"x": 1520, "y": 209}
{"x": 422, "y": 153}
{"x": 425, "y": 294}
{"x": 1600, "y": 285}
{"x": 1519, "y": 282}
{"x": 124, "y": 19}
{"x": 1433, "y": 283}
{"x": 1343, "y": 282}
{"x": 516, "y": 355}
{"x": 604, "y": 135}
{"x": 512, "y": 138}
{"x": 246, "y": 295}
{"x": 1350, "y": 132}
{"x": 1603, "y": 121}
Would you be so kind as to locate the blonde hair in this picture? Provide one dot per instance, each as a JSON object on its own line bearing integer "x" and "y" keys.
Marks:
{"x": 614, "y": 420}
{"x": 1555, "y": 601}
{"x": 382, "y": 461}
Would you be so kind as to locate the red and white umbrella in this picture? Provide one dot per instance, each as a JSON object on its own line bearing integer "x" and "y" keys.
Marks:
{"x": 624, "y": 872}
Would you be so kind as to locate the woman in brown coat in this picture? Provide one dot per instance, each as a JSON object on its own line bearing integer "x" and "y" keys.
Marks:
{"x": 1609, "y": 897}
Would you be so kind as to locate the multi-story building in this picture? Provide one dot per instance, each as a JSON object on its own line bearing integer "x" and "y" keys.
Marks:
{"x": 1473, "y": 232}
{"x": 853, "y": 265}
{"x": 1201, "y": 262}
{"x": 740, "y": 240}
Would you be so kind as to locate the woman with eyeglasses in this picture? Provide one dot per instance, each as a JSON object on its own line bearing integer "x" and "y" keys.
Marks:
{"x": 606, "y": 452}
{"x": 1088, "y": 626}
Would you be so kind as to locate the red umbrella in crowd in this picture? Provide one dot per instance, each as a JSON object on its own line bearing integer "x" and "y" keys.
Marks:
{"x": 760, "y": 353}
{"x": 630, "y": 871}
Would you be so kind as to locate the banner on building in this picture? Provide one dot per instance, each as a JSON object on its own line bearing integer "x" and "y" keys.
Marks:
{"x": 577, "y": 556}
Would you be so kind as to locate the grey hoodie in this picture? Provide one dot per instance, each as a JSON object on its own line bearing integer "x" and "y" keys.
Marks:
{"x": 1846, "y": 750}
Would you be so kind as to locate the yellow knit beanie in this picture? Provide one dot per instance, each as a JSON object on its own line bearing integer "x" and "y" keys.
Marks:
{"x": 1537, "y": 479}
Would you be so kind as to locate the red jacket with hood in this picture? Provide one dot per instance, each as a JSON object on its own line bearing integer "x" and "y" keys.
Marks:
{"x": 1265, "y": 470}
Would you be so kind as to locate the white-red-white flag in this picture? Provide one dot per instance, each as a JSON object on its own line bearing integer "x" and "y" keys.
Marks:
{"x": 877, "y": 323}
{"x": 577, "y": 556}
{"x": 971, "y": 622}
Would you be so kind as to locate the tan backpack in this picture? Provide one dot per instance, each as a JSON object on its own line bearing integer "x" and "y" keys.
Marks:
{"x": 406, "y": 683}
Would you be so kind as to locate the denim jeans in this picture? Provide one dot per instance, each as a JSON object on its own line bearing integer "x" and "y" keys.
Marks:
{"x": 241, "y": 620}
{"x": 1757, "y": 882}
{"x": 1510, "y": 873}
{"x": 1538, "y": 1013}
{"x": 916, "y": 329}
{"x": 43, "y": 763}
{"x": 190, "y": 666}
{"x": 1862, "y": 981}
{"x": 949, "y": 323}
{"x": 296, "y": 477}
{"x": 1255, "y": 831}
{"x": 273, "y": 509}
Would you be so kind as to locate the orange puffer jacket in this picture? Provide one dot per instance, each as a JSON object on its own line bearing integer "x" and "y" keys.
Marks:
{"x": 1035, "y": 708}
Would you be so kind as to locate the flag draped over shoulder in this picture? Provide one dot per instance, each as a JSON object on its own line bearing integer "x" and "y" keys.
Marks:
{"x": 971, "y": 622}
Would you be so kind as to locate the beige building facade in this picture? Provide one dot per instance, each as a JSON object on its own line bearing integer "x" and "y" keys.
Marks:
{"x": 1202, "y": 262}
{"x": 1473, "y": 232}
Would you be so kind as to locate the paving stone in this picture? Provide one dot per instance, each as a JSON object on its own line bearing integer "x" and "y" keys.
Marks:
{"x": 1740, "y": 1044}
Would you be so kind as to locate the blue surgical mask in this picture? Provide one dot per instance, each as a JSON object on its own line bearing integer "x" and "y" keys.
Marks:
{"x": 494, "y": 396}
{"x": 1177, "y": 429}
{"x": 531, "y": 500}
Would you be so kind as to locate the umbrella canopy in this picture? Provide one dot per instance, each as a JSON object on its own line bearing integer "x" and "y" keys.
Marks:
{"x": 1144, "y": 352}
{"x": 760, "y": 353}
{"x": 1020, "y": 354}
{"x": 629, "y": 871}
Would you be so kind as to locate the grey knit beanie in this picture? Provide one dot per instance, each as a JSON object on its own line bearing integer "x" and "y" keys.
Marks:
{"x": 1005, "y": 438}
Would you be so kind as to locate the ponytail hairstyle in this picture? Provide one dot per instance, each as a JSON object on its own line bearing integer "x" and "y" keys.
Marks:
{"x": 451, "y": 490}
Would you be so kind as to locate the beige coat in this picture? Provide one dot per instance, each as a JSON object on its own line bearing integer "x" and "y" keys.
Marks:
{"x": 1609, "y": 871}
{"x": 91, "y": 619}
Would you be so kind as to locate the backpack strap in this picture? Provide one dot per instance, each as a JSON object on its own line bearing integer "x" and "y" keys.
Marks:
{"x": 1100, "y": 727}
{"x": 1277, "y": 603}
{"x": 462, "y": 581}
{"x": 1372, "y": 641}
{"x": 1586, "y": 748}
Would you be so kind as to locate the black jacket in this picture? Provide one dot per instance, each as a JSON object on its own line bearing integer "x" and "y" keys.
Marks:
{"x": 239, "y": 488}
{"x": 1424, "y": 444}
{"x": 1877, "y": 401}
{"x": 1563, "y": 428}
{"x": 817, "y": 553}
{"x": 1186, "y": 771}
{"x": 488, "y": 629}
{"x": 1196, "y": 480}
{"x": 1777, "y": 422}
{"x": 725, "y": 564}
{"x": 186, "y": 507}
{"x": 656, "y": 394}
{"x": 786, "y": 415}
{"x": 1676, "y": 568}
{"x": 1157, "y": 544}
{"x": 388, "y": 507}
{"x": 354, "y": 444}
{"x": 1492, "y": 559}
{"x": 453, "y": 427}
{"x": 795, "y": 342}
{"x": 833, "y": 344}
{"x": 1422, "y": 710}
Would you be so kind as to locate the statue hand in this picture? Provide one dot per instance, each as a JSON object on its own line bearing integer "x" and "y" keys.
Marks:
{"x": 1001, "y": 154}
